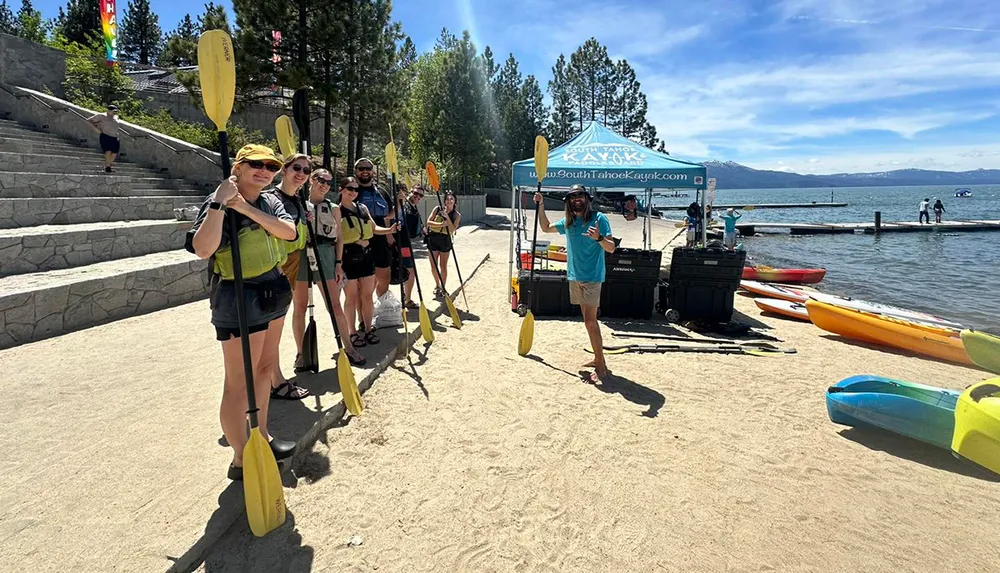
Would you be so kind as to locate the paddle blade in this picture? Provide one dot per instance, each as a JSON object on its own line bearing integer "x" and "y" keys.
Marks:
{"x": 425, "y": 324}
{"x": 455, "y": 319}
{"x": 527, "y": 336}
{"x": 300, "y": 111}
{"x": 286, "y": 135}
{"x": 262, "y": 489}
{"x": 217, "y": 76}
{"x": 348, "y": 387}
{"x": 409, "y": 181}
{"x": 541, "y": 157}
{"x": 391, "y": 160}
{"x": 432, "y": 176}
{"x": 310, "y": 349}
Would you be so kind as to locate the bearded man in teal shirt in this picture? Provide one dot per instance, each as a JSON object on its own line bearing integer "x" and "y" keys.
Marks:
{"x": 588, "y": 237}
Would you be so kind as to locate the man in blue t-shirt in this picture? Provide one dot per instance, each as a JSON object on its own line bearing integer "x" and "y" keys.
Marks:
{"x": 588, "y": 237}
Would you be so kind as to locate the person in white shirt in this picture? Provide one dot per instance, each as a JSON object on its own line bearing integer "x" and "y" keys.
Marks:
{"x": 107, "y": 124}
{"x": 924, "y": 205}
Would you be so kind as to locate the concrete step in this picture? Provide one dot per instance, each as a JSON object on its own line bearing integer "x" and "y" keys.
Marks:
{"x": 71, "y": 185}
{"x": 54, "y": 163}
{"x": 30, "y": 212}
{"x": 13, "y": 145}
{"x": 51, "y": 247}
{"x": 42, "y": 305}
{"x": 36, "y": 136}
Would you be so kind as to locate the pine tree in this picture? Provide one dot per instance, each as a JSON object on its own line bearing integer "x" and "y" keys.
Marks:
{"x": 561, "y": 124}
{"x": 7, "y": 23}
{"x": 29, "y": 23}
{"x": 141, "y": 37}
{"x": 81, "y": 21}
{"x": 214, "y": 18}
{"x": 181, "y": 46}
{"x": 590, "y": 68}
{"x": 535, "y": 110}
{"x": 629, "y": 102}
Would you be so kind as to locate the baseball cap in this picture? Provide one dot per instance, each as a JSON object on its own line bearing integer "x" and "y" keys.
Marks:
{"x": 254, "y": 152}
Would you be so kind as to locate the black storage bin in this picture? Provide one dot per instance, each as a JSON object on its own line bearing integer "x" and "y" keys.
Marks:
{"x": 632, "y": 265}
{"x": 719, "y": 265}
{"x": 701, "y": 300}
{"x": 628, "y": 299}
{"x": 551, "y": 297}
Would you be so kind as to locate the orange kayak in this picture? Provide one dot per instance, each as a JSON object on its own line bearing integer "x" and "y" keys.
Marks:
{"x": 926, "y": 339}
{"x": 783, "y": 307}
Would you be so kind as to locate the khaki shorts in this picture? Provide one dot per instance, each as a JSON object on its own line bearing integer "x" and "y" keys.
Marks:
{"x": 585, "y": 293}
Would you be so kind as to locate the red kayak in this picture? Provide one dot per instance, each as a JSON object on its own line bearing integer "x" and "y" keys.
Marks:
{"x": 790, "y": 276}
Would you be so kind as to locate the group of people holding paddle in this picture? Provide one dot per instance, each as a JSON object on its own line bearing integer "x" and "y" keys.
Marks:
{"x": 353, "y": 239}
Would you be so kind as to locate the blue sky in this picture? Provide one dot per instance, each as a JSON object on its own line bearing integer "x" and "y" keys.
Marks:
{"x": 812, "y": 86}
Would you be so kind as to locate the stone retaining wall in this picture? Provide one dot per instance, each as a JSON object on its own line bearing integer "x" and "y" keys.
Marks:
{"x": 29, "y": 253}
{"x": 37, "y": 315}
{"x": 30, "y": 212}
{"x": 31, "y": 65}
{"x": 44, "y": 185}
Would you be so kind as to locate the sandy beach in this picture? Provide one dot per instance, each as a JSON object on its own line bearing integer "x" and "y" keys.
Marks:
{"x": 471, "y": 458}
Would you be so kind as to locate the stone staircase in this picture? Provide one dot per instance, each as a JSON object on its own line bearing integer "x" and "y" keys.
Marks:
{"x": 80, "y": 247}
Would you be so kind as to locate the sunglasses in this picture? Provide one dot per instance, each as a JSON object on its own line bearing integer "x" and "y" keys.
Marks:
{"x": 364, "y": 168}
{"x": 299, "y": 168}
{"x": 272, "y": 167}
{"x": 349, "y": 188}
{"x": 323, "y": 181}
{"x": 576, "y": 196}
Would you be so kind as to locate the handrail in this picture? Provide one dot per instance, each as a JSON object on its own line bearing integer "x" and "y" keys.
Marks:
{"x": 123, "y": 131}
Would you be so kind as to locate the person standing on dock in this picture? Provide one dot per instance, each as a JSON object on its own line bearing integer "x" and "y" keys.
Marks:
{"x": 938, "y": 210}
{"x": 729, "y": 237}
{"x": 924, "y": 205}
{"x": 588, "y": 238}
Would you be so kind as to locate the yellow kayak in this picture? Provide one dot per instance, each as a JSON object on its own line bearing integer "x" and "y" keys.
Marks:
{"x": 983, "y": 349}
{"x": 977, "y": 425}
{"x": 929, "y": 340}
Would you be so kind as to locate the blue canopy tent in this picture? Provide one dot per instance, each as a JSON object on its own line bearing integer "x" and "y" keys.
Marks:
{"x": 599, "y": 157}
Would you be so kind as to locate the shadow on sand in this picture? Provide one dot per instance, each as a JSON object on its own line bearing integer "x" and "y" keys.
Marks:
{"x": 915, "y": 451}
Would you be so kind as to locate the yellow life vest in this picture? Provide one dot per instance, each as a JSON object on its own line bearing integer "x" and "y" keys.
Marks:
{"x": 352, "y": 233}
{"x": 439, "y": 218}
{"x": 259, "y": 253}
{"x": 299, "y": 243}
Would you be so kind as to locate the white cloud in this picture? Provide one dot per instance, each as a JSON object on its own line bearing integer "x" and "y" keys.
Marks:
{"x": 946, "y": 158}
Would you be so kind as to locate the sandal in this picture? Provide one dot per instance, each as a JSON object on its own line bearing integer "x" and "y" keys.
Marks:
{"x": 235, "y": 473}
{"x": 358, "y": 340}
{"x": 350, "y": 358}
{"x": 371, "y": 337}
{"x": 410, "y": 305}
{"x": 289, "y": 391}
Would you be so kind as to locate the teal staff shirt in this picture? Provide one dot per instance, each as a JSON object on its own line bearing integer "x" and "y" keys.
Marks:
{"x": 584, "y": 256}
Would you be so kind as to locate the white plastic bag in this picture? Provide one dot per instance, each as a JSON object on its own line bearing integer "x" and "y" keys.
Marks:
{"x": 388, "y": 311}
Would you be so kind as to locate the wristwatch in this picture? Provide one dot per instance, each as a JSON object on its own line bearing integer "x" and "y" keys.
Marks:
{"x": 217, "y": 206}
{"x": 600, "y": 238}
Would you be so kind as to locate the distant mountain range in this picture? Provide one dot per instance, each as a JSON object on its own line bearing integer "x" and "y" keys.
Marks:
{"x": 732, "y": 175}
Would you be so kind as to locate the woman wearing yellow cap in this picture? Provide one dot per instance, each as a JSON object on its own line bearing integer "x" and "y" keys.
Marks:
{"x": 262, "y": 223}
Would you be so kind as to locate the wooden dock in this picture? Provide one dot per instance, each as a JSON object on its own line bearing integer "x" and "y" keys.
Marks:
{"x": 750, "y": 229}
{"x": 720, "y": 208}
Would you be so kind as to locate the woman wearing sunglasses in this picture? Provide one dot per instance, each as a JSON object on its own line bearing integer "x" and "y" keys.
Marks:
{"x": 326, "y": 226}
{"x": 353, "y": 250}
{"x": 441, "y": 226}
{"x": 263, "y": 224}
{"x": 295, "y": 172}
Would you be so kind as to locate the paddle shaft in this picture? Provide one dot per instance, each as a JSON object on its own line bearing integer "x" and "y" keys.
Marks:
{"x": 454, "y": 256}
{"x": 319, "y": 268}
{"x": 399, "y": 249}
{"x": 241, "y": 309}
{"x": 534, "y": 240}
{"x": 416, "y": 277}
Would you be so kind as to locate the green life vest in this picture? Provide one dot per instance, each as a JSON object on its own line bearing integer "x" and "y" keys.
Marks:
{"x": 299, "y": 243}
{"x": 259, "y": 253}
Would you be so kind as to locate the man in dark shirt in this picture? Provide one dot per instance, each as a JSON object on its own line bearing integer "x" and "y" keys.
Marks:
{"x": 381, "y": 207}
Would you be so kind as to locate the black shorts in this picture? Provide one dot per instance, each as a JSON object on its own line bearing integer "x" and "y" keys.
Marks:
{"x": 111, "y": 144}
{"x": 440, "y": 242}
{"x": 357, "y": 262}
{"x": 379, "y": 247}
{"x": 224, "y": 334}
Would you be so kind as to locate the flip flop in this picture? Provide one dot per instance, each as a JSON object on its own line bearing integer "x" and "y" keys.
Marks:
{"x": 288, "y": 391}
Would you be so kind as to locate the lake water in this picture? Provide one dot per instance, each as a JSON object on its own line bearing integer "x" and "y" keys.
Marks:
{"x": 952, "y": 274}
